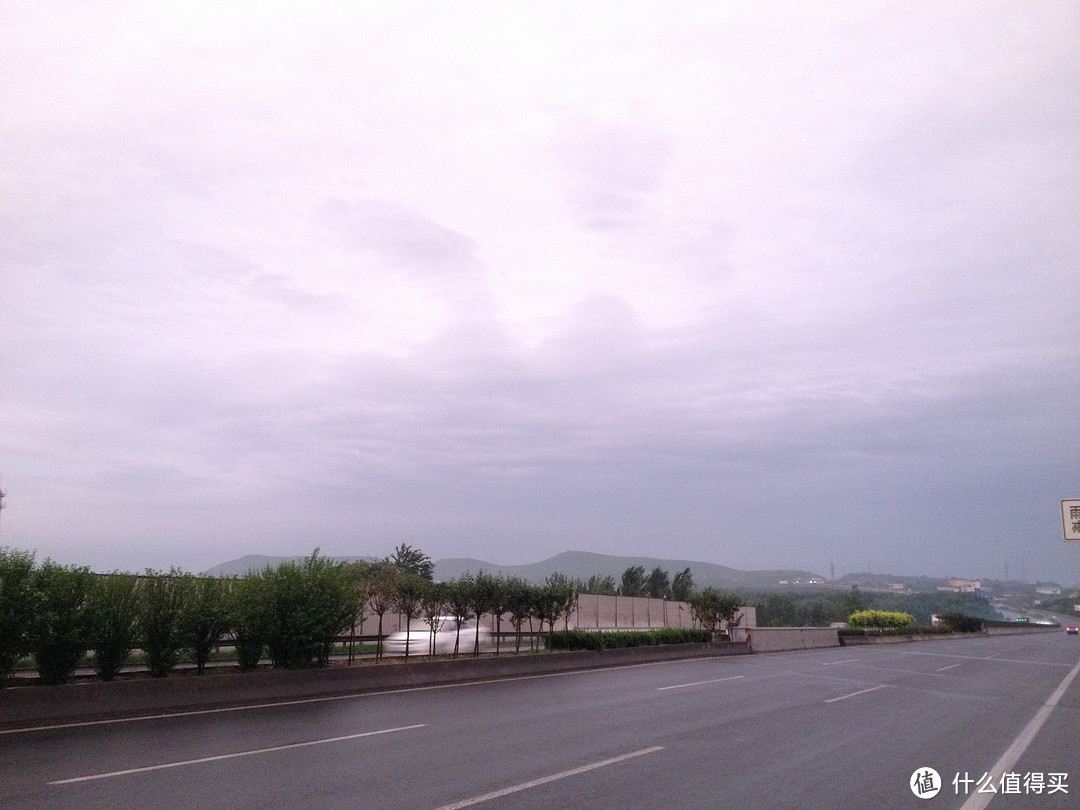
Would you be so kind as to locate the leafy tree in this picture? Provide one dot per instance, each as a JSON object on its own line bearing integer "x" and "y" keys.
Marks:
{"x": 310, "y": 604}
{"x": 412, "y": 561}
{"x": 206, "y": 620}
{"x": 658, "y": 584}
{"x": 519, "y": 602}
{"x": 249, "y": 609}
{"x": 459, "y": 602}
{"x": 433, "y": 602}
{"x": 485, "y": 598}
{"x": 61, "y": 620}
{"x": 358, "y": 574}
{"x": 633, "y": 581}
{"x": 713, "y": 609}
{"x": 113, "y": 618}
{"x": 382, "y": 595}
{"x": 601, "y": 584}
{"x": 163, "y": 602}
{"x": 852, "y": 601}
{"x": 409, "y": 592}
{"x": 500, "y": 604}
{"x": 335, "y": 600}
{"x": 16, "y": 608}
{"x": 564, "y": 595}
{"x": 682, "y": 586}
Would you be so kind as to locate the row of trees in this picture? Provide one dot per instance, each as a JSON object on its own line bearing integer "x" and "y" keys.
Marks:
{"x": 57, "y": 613}
{"x": 294, "y": 613}
{"x": 657, "y": 584}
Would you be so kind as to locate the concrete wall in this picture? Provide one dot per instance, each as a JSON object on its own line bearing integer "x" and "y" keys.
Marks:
{"x": 22, "y": 706}
{"x": 778, "y": 639}
{"x": 594, "y": 611}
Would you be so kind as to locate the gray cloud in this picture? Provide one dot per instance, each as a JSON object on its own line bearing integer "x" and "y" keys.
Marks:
{"x": 795, "y": 294}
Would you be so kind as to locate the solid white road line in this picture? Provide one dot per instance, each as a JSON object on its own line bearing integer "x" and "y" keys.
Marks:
{"x": 232, "y": 756}
{"x": 950, "y": 666}
{"x": 698, "y": 683}
{"x": 845, "y": 661}
{"x": 978, "y": 801}
{"x": 495, "y": 794}
{"x": 853, "y": 694}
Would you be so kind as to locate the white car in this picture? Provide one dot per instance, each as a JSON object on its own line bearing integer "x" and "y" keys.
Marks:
{"x": 419, "y": 638}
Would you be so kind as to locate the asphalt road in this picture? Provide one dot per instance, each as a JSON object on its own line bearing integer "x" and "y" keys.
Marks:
{"x": 838, "y": 728}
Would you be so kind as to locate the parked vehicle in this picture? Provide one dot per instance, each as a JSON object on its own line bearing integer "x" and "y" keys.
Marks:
{"x": 420, "y": 642}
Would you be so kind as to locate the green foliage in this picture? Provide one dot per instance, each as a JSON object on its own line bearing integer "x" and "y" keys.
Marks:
{"x": 714, "y": 609}
{"x": 519, "y": 604}
{"x": 486, "y": 597}
{"x": 597, "y": 640}
{"x": 880, "y": 618}
{"x": 248, "y": 605}
{"x": 113, "y": 618}
{"x": 959, "y": 623}
{"x": 605, "y": 585}
{"x": 633, "y": 581}
{"x": 658, "y": 584}
{"x": 817, "y": 608}
{"x": 16, "y": 608}
{"x": 308, "y": 606}
{"x": 434, "y": 600}
{"x": 408, "y": 593}
{"x": 61, "y": 620}
{"x": 682, "y": 586}
{"x": 412, "y": 561}
{"x": 852, "y": 601}
{"x": 459, "y": 600}
{"x": 163, "y": 604}
{"x": 207, "y": 619}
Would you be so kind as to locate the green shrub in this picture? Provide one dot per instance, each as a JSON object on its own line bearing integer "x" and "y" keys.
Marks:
{"x": 163, "y": 605}
{"x": 16, "y": 608}
{"x": 308, "y": 606}
{"x": 959, "y": 623}
{"x": 249, "y": 610}
{"x": 206, "y": 620}
{"x": 605, "y": 640}
{"x": 113, "y": 618}
{"x": 61, "y": 620}
{"x": 880, "y": 618}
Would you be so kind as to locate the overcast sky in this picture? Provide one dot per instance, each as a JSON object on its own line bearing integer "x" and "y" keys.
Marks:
{"x": 766, "y": 285}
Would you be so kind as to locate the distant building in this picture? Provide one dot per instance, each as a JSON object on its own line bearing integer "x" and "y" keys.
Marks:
{"x": 964, "y": 585}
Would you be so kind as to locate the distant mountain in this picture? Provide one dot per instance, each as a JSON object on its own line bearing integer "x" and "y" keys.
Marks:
{"x": 575, "y": 564}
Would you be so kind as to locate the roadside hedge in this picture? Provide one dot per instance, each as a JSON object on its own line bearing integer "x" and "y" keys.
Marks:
{"x": 604, "y": 640}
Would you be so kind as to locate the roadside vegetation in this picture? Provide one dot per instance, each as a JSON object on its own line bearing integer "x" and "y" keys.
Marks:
{"x": 820, "y": 608}
{"x": 58, "y": 619}
{"x": 610, "y": 640}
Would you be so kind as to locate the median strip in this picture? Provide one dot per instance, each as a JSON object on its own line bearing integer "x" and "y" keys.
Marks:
{"x": 232, "y": 756}
{"x": 496, "y": 794}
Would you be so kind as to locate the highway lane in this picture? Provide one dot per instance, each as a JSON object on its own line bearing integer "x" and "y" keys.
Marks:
{"x": 830, "y": 728}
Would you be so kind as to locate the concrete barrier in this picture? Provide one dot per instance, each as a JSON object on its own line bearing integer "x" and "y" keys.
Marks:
{"x": 779, "y": 639}
{"x": 903, "y": 638}
{"x": 23, "y": 706}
